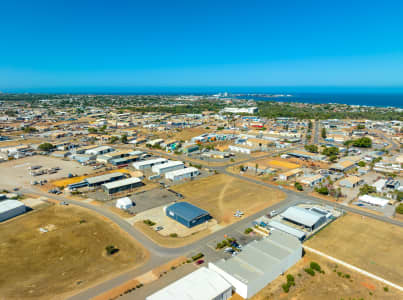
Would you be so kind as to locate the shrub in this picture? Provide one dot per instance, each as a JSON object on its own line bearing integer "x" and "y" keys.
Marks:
{"x": 286, "y": 287}
{"x": 399, "y": 208}
{"x": 298, "y": 186}
{"x": 310, "y": 271}
{"x": 173, "y": 235}
{"x": 290, "y": 278}
{"x": 347, "y": 276}
{"x": 111, "y": 249}
{"x": 315, "y": 266}
{"x": 149, "y": 222}
{"x": 248, "y": 230}
{"x": 197, "y": 256}
{"x": 386, "y": 289}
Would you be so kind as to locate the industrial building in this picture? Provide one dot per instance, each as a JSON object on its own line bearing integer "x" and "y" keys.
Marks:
{"x": 373, "y": 200}
{"x": 202, "y": 284}
{"x": 187, "y": 214}
{"x": 121, "y": 185}
{"x": 167, "y": 167}
{"x": 11, "y": 208}
{"x": 299, "y": 234}
{"x": 146, "y": 164}
{"x": 259, "y": 263}
{"x": 100, "y": 150}
{"x": 182, "y": 174}
{"x": 307, "y": 218}
{"x": 99, "y": 180}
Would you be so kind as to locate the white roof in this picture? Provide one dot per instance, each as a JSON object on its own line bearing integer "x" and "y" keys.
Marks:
{"x": 373, "y": 200}
{"x": 202, "y": 284}
{"x": 100, "y": 148}
{"x": 301, "y": 216}
{"x": 7, "y": 205}
{"x": 124, "y": 201}
{"x": 181, "y": 171}
{"x": 149, "y": 162}
{"x": 123, "y": 182}
{"x": 170, "y": 163}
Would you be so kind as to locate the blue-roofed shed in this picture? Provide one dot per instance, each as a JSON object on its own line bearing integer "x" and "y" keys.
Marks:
{"x": 187, "y": 214}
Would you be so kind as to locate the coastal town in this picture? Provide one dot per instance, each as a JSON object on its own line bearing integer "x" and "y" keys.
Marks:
{"x": 215, "y": 196}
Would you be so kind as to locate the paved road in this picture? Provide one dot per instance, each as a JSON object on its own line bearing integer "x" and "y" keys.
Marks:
{"x": 160, "y": 255}
{"x": 316, "y": 133}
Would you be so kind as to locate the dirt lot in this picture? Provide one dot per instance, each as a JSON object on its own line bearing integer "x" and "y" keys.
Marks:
{"x": 221, "y": 195}
{"x": 334, "y": 284}
{"x": 170, "y": 242}
{"x": 70, "y": 256}
{"x": 366, "y": 243}
{"x": 18, "y": 173}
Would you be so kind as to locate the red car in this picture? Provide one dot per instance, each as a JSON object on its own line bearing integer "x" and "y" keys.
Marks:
{"x": 199, "y": 262}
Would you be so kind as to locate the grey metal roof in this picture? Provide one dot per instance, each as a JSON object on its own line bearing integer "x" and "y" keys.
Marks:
{"x": 7, "y": 205}
{"x": 103, "y": 178}
{"x": 301, "y": 216}
{"x": 123, "y": 182}
{"x": 287, "y": 229}
{"x": 260, "y": 257}
{"x": 199, "y": 285}
{"x": 187, "y": 211}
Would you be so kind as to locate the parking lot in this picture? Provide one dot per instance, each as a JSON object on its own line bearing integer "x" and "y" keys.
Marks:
{"x": 16, "y": 174}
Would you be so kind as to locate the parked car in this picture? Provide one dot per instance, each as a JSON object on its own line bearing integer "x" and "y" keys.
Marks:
{"x": 199, "y": 262}
{"x": 158, "y": 228}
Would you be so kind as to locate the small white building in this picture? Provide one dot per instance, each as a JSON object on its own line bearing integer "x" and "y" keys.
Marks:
{"x": 124, "y": 203}
{"x": 182, "y": 174}
{"x": 11, "y": 208}
{"x": 202, "y": 284}
{"x": 167, "y": 167}
{"x": 373, "y": 200}
{"x": 146, "y": 164}
{"x": 99, "y": 150}
{"x": 242, "y": 149}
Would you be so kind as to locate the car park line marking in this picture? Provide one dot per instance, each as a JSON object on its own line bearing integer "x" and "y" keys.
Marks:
{"x": 22, "y": 165}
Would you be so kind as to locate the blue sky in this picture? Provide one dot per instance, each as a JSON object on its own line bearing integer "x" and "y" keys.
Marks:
{"x": 79, "y": 45}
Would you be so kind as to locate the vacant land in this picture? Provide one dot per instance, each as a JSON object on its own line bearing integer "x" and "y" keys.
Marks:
{"x": 366, "y": 243}
{"x": 336, "y": 283}
{"x": 18, "y": 173}
{"x": 221, "y": 195}
{"x": 71, "y": 255}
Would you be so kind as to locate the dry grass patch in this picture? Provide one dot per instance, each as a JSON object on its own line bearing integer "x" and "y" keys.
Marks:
{"x": 70, "y": 256}
{"x": 221, "y": 195}
{"x": 371, "y": 245}
{"x": 336, "y": 283}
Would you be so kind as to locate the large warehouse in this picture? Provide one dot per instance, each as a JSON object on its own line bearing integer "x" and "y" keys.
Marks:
{"x": 182, "y": 174}
{"x": 187, "y": 214}
{"x": 146, "y": 164}
{"x": 259, "y": 263}
{"x": 167, "y": 167}
{"x": 121, "y": 185}
{"x": 99, "y": 180}
{"x": 307, "y": 218}
{"x": 202, "y": 284}
{"x": 11, "y": 208}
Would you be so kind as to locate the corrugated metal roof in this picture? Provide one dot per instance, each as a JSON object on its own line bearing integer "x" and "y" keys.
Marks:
{"x": 103, "y": 178}
{"x": 287, "y": 229}
{"x": 123, "y": 182}
{"x": 149, "y": 162}
{"x": 201, "y": 284}
{"x": 260, "y": 257}
{"x": 7, "y": 205}
{"x": 187, "y": 211}
{"x": 301, "y": 216}
{"x": 181, "y": 171}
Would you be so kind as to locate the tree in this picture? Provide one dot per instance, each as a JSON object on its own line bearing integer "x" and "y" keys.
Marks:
{"x": 322, "y": 190}
{"x": 361, "y": 164}
{"x": 311, "y": 148}
{"x": 323, "y": 133}
{"x": 399, "y": 208}
{"x": 46, "y": 147}
{"x": 332, "y": 158}
{"x": 123, "y": 139}
{"x": 360, "y": 126}
{"x": 92, "y": 130}
{"x": 298, "y": 186}
{"x": 113, "y": 139}
{"x": 310, "y": 125}
{"x": 364, "y": 142}
{"x": 29, "y": 129}
{"x": 367, "y": 189}
{"x": 330, "y": 151}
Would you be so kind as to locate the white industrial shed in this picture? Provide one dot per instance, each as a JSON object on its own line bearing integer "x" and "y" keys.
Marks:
{"x": 299, "y": 234}
{"x": 373, "y": 200}
{"x": 259, "y": 263}
{"x": 202, "y": 284}
{"x": 124, "y": 203}
{"x": 304, "y": 217}
{"x": 182, "y": 174}
{"x": 145, "y": 164}
{"x": 167, "y": 167}
{"x": 11, "y": 208}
